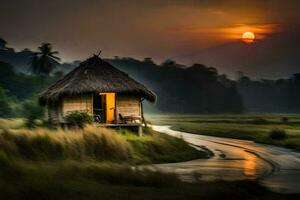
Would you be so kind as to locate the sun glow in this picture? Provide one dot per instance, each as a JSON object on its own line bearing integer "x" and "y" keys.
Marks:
{"x": 248, "y": 37}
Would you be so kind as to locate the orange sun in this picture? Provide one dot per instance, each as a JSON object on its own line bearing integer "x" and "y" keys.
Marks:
{"x": 248, "y": 37}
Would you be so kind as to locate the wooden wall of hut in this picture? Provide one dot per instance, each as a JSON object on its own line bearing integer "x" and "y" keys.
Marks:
{"x": 128, "y": 105}
{"x": 55, "y": 114}
{"x": 82, "y": 103}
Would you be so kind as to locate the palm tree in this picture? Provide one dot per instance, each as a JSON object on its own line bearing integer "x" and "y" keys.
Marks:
{"x": 44, "y": 61}
{"x": 3, "y": 43}
{"x": 34, "y": 68}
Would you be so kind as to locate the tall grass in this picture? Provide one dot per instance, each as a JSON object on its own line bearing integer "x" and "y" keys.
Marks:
{"x": 44, "y": 144}
{"x": 94, "y": 143}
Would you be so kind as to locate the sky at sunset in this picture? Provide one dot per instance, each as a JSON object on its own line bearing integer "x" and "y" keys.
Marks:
{"x": 158, "y": 29}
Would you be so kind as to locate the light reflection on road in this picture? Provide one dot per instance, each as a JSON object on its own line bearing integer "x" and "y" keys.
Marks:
{"x": 250, "y": 165}
{"x": 274, "y": 167}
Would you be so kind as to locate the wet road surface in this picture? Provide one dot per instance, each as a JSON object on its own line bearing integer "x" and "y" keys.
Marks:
{"x": 274, "y": 167}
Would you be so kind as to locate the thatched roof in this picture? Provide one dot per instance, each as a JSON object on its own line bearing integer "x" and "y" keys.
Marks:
{"x": 95, "y": 75}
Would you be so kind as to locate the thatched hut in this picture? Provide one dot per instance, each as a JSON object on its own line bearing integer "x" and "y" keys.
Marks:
{"x": 99, "y": 89}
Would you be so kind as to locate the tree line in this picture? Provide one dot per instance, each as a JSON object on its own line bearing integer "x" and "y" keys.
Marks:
{"x": 265, "y": 95}
{"x": 180, "y": 89}
{"x": 185, "y": 89}
{"x": 19, "y": 91}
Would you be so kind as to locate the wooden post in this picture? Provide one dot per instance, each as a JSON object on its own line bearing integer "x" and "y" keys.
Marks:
{"x": 65, "y": 126}
{"x": 92, "y": 106}
{"x": 142, "y": 113}
{"x": 140, "y": 131}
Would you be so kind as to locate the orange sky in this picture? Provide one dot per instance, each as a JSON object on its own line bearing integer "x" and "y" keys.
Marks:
{"x": 158, "y": 29}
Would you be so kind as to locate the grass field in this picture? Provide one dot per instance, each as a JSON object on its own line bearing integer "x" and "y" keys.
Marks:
{"x": 100, "y": 164}
{"x": 105, "y": 180}
{"x": 92, "y": 143}
{"x": 44, "y": 163}
{"x": 250, "y": 127}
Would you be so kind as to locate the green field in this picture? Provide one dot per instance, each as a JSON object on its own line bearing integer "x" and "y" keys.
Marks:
{"x": 43, "y": 163}
{"x": 249, "y": 127}
{"x": 96, "y": 163}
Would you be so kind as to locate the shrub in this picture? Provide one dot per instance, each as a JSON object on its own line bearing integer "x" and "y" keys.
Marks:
{"x": 284, "y": 120}
{"x": 79, "y": 119}
{"x": 277, "y": 134}
{"x": 32, "y": 111}
{"x": 5, "y": 102}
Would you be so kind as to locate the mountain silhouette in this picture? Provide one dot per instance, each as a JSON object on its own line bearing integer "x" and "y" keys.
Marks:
{"x": 272, "y": 57}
